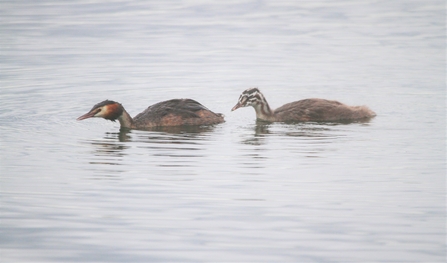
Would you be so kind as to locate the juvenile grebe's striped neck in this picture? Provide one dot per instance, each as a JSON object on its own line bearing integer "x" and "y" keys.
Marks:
{"x": 253, "y": 97}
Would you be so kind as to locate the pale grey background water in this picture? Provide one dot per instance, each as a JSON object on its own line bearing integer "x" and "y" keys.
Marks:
{"x": 240, "y": 191}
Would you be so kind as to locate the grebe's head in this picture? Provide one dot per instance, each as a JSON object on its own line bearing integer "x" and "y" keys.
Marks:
{"x": 250, "y": 97}
{"x": 108, "y": 109}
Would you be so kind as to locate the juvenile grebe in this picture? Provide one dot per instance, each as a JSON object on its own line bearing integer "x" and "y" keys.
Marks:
{"x": 302, "y": 110}
{"x": 174, "y": 112}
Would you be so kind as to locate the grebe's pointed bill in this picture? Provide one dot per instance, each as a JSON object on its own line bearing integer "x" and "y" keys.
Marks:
{"x": 89, "y": 114}
{"x": 237, "y": 106}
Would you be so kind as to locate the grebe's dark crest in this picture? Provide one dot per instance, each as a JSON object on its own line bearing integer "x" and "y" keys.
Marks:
{"x": 176, "y": 112}
{"x": 302, "y": 110}
{"x": 108, "y": 109}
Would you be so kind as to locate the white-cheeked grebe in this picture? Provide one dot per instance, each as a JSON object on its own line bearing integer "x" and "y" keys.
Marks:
{"x": 176, "y": 112}
{"x": 318, "y": 110}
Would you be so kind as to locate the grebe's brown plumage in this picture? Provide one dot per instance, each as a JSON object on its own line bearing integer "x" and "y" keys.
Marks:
{"x": 176, "y": 112}
{"x": 302, "y": 110}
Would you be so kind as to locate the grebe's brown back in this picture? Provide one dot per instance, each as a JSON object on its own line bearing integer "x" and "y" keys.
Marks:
{"x": 302, "y": 110}
{"x": 176, "y": 112}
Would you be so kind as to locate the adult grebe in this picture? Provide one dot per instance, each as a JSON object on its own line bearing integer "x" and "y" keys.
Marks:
{"x": 174, "y": 112}
{"x": 302, "y": 110}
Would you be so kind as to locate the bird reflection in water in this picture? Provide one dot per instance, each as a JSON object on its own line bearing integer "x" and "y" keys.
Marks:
{"x": 178, "y": 141}
{"x": 109, "y": 150}
{"x": 310, "y": 130}
{"x": 180, "y": 131}
{"x": 107, "y": 155}
{"x": 261, "y": 130}
{"x": 310, "y": 139}
{"x": 179, "y": 150}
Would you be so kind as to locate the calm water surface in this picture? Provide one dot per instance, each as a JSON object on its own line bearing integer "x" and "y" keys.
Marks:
{"x": 239, "y": 191}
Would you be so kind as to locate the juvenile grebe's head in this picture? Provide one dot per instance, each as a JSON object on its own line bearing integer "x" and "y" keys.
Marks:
{"x": 250, "y": 97}
{"x": 108, "y": 109}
